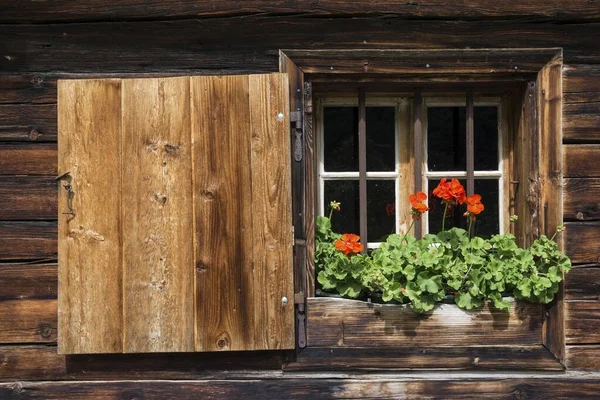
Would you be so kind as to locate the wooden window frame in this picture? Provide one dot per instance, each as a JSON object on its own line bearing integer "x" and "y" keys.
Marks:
{"x": 536, "y": 117}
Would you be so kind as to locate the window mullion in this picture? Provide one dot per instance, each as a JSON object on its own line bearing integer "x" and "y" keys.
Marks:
{"x": 418, "y": 151}
{"x": 362, "y": 165}
{"x": 470, "y": 145}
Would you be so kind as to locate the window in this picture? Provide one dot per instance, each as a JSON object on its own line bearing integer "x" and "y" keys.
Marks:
{"x": 444, "y": 154}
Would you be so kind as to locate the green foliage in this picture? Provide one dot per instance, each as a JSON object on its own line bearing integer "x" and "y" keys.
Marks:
{"x": 422, "y": 272}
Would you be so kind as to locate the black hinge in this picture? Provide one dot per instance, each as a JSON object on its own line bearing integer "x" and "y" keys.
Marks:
{"x": 301, "y": 319}
{"x": 296, "y": 116}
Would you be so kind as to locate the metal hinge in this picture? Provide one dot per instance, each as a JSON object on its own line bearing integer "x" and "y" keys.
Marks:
{"x": 301, "y": 319}
{"x": 296, "y": 116}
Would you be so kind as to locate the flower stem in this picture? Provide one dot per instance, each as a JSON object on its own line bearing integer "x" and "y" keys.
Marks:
{"x": 444, "y": 217}
{"x": 408, "y": 230}
{"x": 470, "y": 224}
{"x": 330, "y": 213}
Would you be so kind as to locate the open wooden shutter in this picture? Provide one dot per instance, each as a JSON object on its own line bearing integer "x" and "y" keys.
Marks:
{"x": 180, "y": 237}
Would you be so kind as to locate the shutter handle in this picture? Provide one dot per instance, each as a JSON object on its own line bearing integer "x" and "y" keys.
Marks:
{"x": 68, "y": 191}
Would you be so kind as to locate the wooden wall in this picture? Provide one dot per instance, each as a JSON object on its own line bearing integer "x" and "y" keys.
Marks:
{"x": 41, "y": 42}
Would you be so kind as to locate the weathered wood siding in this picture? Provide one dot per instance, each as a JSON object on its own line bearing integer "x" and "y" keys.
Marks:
{"x": 41, "y": 42}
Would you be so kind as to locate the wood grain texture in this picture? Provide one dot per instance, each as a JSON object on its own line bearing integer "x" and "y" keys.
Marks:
{"x": 28, "y": 198}
{"x": 583, "y": 283}
{"x": 581, "y": 78}
{"x": 35, "y": 362}
{"x": 252, "y": 43}
{"x": 349, "y": 323}
{"x": 28, "y": 122}
{"x": 33, "y": 159}
{"x": 581, "y": 241}
{"x": 27, "y": 88}
{"x": 158, "y": 278}
{"x": 582, "y": 322}
{"x": 271, "y": 212}
{"x": 581, "y": 160}
{"x": 585, "y": 358}
{"x": 24, "y": 281}
{"x": 549, "y": 103}
{"x": 315, "y": 359}
{"x": 63, "y": 11}
{"x": 28, "y": 321}
{"x": 90, "y": 305}
{"x": 447, "y": 387}
{"x": 233, "y": 168}
{"x": 310, "y": 187}
{"x": 30, "y": 240}
{"x": 581, "y": 199}
{"x": 582, "y": 119}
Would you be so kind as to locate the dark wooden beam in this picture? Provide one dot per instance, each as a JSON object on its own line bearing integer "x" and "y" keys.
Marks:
{"x": 581, "y": 240}
{"x": 93, "y": 10}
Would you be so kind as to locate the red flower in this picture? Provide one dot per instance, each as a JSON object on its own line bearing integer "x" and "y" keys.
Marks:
{"x": 390, "y": 209}
{"x": 450, "y": 192}
{"x": 474, "y": 205}
{"x": 349, "y": 244}
{"x": 417, "y": 205}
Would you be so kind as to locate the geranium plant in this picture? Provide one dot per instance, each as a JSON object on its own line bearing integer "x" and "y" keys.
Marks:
{"x": 422, "y": 272}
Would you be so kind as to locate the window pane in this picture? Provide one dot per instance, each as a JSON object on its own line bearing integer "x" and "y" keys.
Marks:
{"x": 487, "y": 223}
{"x": 486, "y": 138}
{"x": 340, "y": 139}
{"x": 446, "y": 135}
{"x": 381, "y": 213}
{"x": 381, "y": 148}
{"x": 346, "y": 192}
{"x": 454, "y": 216}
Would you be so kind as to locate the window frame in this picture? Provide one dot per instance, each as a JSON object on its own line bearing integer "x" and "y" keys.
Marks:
{"x": 535, "y": 113}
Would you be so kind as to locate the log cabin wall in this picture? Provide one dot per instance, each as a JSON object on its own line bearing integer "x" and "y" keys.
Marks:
{"x": 41, "y": 42}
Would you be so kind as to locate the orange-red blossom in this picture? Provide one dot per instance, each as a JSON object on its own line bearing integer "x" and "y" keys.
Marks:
{"x": 474, "y": 205}
{"x": 450, "y": 192}
{"x": 349, "y": 244}
{"x": 416, "y": 202}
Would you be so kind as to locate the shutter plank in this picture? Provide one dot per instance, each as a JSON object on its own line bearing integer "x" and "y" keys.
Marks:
{"x": 271, "y": 211}
{"x": 157, "y": 216}
{"x": 90, "y": 306}
{"x": 223, "y": 207}
{"x": 241, "y": 189}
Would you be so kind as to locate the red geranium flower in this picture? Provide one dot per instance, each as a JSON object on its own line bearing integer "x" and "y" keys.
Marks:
{"x": 450, "y": 192}
{"x": 417, "y": 205}
{"x": 474, "y": 205}
{"x": 349, "y": 244}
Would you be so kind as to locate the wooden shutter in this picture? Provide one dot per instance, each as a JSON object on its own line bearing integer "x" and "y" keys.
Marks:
{"x": 180, "y": 239}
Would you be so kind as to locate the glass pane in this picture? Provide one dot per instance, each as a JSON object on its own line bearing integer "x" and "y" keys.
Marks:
{"x": 454, "y": 215}
{"x": 486, "y": 138}
{"x": 346, "y": 192}
{"x": 381, "y": 209}
{"x": 446, "y": 134}
{"x": 340, "y": 139}
{"x": 487, "y": 223}
{"x": 381, "y": 148}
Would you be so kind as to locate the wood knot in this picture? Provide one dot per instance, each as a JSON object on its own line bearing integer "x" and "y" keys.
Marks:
{"x": 520, "y": 394}
{"x": 37, "y": 81}
{"x": 222, "y": 343}
{"x": 33, "y": 134}
{"x": 171, "y": 148}
{"x": 45, "y": 330}
{"x": 209, "y": 195}
{"x": 476, "y": 361}
{"x": 580, "y": 216}
{"x": 200, "y": 267}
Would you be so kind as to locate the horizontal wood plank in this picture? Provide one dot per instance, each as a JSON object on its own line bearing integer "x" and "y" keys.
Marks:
{"x": 28, "y": 321}
{"x": 28, "y": 240}
{"x": 583, "y": 283}
{"x": 582, "y": 322}
{"x": 253, "y": 43}
{"x": 42, "y": 362}
{"x": 415, "y": 358}
{"x": 583, "y": 357}
{"x": 335, "y": 322}
{"x": 34, "y": 159}
{"x": 27, "y": 88}
{"x": 581, "y": 199}
{"x": 28, "y": 281}
{"x": 396, "y": 61}
{"x": 448, "y": 387}
{"x": 581, "y": 78}
{"x": 28, "y": 197}
{"x": 581, "y": 118}
{"x": 581, "y": 241}
{"x": 28, "y": 122}
{"x": 581, "y": 160}
{"x": 35, "y": 11}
